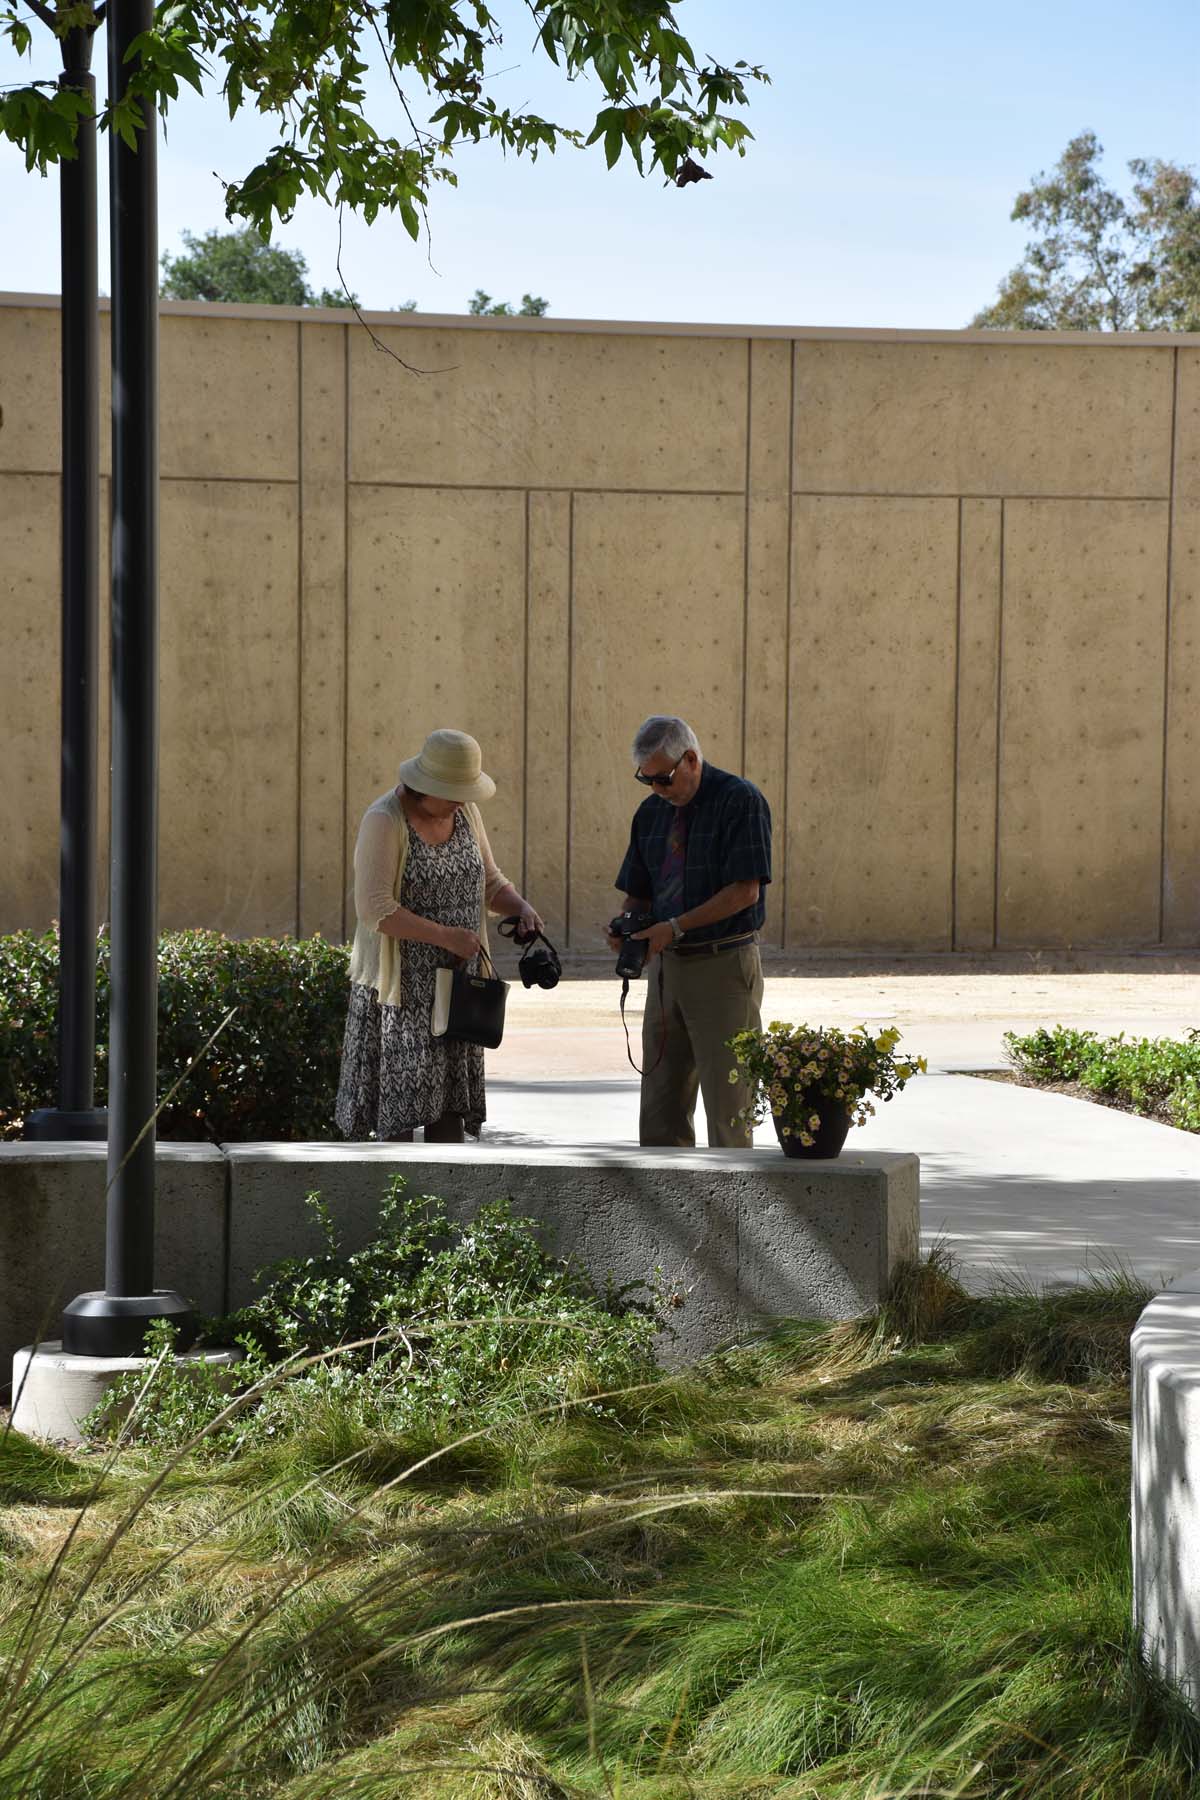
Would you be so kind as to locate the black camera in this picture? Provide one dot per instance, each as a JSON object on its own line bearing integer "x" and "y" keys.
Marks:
{"x": 540, "y": 964}
{"x": 631, "y": 959}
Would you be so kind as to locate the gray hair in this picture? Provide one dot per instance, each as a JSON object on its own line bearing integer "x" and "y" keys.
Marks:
{"x": 663, "y": 735}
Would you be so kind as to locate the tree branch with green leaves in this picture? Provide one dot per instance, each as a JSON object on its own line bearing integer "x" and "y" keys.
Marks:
{"x": 306, "y": 65}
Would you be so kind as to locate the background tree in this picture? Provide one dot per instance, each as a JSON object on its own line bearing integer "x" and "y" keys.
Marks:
{"x": 532, "y": 306}
{"x": 239, "y": 266}
{"x": 306, "y": 66}
{"x": 1098, "y": 261}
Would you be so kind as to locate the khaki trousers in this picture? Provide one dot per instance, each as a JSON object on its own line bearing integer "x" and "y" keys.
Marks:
{"x": 705, "y": 999}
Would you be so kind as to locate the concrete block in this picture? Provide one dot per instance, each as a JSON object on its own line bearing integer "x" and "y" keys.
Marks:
{"x": 230, "y": 687}
{"x": 323, "y": 576}
{"x": 642, "y": 562}
{"x": 230, "y": 399}
{"x": 1181, "y": 851}
{"x": 52, "y": 1210}
{"x": 979, "y": 574}
{"x": 30, "y": 349}
{"x": 982, "y": 419}
{"x": 548, "y": 772}
{"x": 446, "y": 571}
{"x": 870, "y": 794}
{"x": 53, "y": 1392}
{"x": 29, "y": 802}
{"x": 30, "y": 607}
{"x": 548, "y": 410}
{"x": 1166, "y": 1485}
{"x": 1081, "y": 701}
{"x": 818, "y": 1240}
{"x": 767, "y": 581}
{"x": 1187, "y": 426}
{"x": 737, "y": 1237}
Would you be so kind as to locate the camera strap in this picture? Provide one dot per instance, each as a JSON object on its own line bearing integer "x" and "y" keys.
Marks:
{"x": 662, "y": 1013}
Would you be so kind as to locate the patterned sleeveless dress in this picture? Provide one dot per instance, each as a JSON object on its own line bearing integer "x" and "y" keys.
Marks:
{"x": 395, "y": 1075}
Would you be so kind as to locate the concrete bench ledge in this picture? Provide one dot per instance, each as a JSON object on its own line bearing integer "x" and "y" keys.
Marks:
{"x": 735, "y": 1238}
{"x": 1165, "y": 1357}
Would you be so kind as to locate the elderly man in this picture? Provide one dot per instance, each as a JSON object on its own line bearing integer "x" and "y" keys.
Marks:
{"x": 699, "y": 857}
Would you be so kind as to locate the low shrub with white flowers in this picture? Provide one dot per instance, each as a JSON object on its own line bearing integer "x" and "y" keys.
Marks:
{"x": 794, "y": 1068}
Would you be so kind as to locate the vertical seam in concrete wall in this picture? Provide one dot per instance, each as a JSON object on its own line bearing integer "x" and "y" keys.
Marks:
{"x": 999, "y": 729}
{"x": 525, "y": 717}
{"x": 345, "y": 612}
{"x": 299, "y": 617}
{"x": 746, "y": 548}
{"x": 1166, "y": 716}
{"x": 958, "y": 606}
{"x": 787, "y": 639}
{"x": 570, "y": 710}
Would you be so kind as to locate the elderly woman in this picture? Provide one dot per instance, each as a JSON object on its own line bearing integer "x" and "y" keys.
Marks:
{"x": 424, "y": 881}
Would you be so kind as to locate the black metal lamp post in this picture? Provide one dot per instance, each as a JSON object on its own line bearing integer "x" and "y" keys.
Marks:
{"x": 76, "y": 1115}
{"x": 113, "y": 1323}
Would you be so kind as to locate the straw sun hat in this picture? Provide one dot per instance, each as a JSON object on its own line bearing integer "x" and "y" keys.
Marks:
{"x": 450, "y": 767}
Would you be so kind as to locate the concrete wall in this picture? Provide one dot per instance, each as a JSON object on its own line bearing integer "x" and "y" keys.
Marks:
{"x": 735, "y": 1239}
{"x": 938, "y": 594}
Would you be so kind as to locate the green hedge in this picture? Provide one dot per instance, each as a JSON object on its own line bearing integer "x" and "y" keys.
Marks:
{"x": 272, "y": 1072}
{"x": 1158, "y": 1077}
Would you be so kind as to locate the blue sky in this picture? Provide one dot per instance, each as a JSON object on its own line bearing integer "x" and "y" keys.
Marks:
{"x": 877, "y": 192}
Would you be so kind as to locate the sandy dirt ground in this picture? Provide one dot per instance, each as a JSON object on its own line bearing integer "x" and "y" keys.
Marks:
{"x": 957, "y": 1017}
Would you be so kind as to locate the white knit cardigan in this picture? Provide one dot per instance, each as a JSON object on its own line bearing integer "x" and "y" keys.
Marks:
{"x": 380, "y": 853}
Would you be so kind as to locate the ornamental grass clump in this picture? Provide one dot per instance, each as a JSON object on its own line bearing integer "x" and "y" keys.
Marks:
{"x": 859, "y": 1560}
{"x": 795, "y": 1069}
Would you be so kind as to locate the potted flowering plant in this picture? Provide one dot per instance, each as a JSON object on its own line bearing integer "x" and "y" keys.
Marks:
{"x": 815, "y": 1080}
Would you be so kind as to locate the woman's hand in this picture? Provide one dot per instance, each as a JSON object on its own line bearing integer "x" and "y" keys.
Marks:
{"x": 530, "y": 921}
{"x": 460, "y": 942}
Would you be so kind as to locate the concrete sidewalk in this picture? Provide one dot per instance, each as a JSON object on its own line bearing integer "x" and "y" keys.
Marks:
{"x": 1011, "y": 1178}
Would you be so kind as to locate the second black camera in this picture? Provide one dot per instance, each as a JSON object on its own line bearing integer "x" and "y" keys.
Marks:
{"x": 631, "y": 958}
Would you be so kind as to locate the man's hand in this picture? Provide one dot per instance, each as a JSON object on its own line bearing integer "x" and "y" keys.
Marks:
{"x": 658, "y": 937}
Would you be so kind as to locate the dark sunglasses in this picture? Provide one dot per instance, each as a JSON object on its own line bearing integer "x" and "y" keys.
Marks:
{"x": 657, "y": 780}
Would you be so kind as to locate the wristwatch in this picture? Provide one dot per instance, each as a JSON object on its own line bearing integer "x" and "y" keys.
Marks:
{"x": 677, "y": 928}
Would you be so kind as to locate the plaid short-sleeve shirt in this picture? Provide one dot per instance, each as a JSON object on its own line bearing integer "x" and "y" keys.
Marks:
{"x": 728, "y": 839}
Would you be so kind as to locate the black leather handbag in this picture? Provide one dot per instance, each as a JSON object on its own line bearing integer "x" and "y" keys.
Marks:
{"x": 471, "y": 1006}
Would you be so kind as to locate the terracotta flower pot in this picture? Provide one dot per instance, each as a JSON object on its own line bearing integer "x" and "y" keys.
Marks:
{"x": 828, "y": 1138}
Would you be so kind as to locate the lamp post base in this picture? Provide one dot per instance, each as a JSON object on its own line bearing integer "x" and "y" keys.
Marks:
{"x": 54, "y": 1392}
{"x": 58, "y": 1125}
{"x": 99, "y": 1324}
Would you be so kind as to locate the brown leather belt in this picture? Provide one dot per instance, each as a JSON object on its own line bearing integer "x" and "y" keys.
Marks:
{"x": 715, "y": 947}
